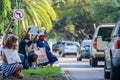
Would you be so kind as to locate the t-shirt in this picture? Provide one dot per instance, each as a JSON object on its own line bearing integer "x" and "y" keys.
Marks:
{"x": 22, "y": 47}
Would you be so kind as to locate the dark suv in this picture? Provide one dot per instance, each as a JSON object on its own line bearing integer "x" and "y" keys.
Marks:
{"x": 112, "y": 55}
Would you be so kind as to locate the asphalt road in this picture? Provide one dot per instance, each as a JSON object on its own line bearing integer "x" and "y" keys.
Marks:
{"x": 81, "y": 70}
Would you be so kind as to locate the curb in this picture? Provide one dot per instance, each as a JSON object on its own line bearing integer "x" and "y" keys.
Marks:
{"x": 66, "y": 74}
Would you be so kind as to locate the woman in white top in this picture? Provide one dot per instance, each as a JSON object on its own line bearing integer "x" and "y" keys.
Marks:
{"x": 11, "y": 64}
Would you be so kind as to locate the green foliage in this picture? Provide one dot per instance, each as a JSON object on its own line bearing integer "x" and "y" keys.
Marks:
{"x": 5, "y": 14}
{"x": 47, "y": 71}
{"x": 73, "y": 17}
{"x": 39, "y": 13}
{"x": 107, "y": 10}
{"x": 83, "y": 14}
{"x": 70, "y": 28}
{"x": 72, "y": 13}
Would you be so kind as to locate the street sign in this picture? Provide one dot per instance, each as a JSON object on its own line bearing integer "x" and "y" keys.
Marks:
{"x": 18, "y": 14}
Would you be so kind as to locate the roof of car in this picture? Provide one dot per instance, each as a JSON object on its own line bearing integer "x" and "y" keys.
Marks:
{"x": 86, "y": 40}
{"x": 106, "y": 25}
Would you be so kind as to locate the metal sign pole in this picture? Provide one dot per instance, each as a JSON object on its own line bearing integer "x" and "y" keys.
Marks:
{"x": 18, "y": 23}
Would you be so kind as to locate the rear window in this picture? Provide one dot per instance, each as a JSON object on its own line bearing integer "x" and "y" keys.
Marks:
{"x": 58, "y": 42}
{"x": 105, "y": 31}
{"x": 84, "y": 43}
{"x": 69, "y": 44}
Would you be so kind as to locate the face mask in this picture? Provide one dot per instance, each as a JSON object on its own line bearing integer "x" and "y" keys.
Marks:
{"x": 42, "y": 38}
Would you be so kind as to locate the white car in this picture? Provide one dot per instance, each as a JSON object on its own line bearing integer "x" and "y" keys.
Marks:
{"x": 69, "y": 48}
{"x": 99, "y": 43}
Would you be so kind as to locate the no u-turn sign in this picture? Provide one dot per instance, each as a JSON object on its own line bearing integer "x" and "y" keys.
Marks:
{"x": 18, "y": 14}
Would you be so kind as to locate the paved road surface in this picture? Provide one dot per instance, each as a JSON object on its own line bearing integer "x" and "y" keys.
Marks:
{"x": 80, "y": 70}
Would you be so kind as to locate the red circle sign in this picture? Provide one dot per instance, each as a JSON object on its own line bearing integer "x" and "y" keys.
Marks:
{"x": 18, "y": 14}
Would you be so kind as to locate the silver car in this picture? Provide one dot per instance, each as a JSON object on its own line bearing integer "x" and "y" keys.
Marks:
{"x": 69, "y": 48}
{"x": 112, "y": 55}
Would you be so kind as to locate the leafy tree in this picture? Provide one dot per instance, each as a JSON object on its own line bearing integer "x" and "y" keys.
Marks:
{"x": 76, "y": 13}
{"x": 5, "y": 14}
{"x": 106, "y": 11}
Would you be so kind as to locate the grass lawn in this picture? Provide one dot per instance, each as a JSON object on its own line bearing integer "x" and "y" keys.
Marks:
{"x": 47, "y": 71}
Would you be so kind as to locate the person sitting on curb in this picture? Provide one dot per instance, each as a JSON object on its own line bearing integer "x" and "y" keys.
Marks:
{"x": 23, "y": 49}
{"x": 14, "y": 67}
{"x": 8, "y": 32}
{"x": 32, "y": 57}
{"x": 43, "y": 43}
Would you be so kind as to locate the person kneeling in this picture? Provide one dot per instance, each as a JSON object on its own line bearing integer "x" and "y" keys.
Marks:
{"x": 11, "y": 61}
{"x": 32, "y": 57}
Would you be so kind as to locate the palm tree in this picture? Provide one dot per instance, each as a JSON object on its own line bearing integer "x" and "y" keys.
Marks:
{"x": 37, "y": 13}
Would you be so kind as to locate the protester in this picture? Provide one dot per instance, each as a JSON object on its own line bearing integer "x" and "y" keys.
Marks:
{"x": 11, "y": 69}
{"x": 8, "y": 33}
{"x": 23, "y": 49}
{"x": 32, "y": 57}
{"x": 43, "y": 43}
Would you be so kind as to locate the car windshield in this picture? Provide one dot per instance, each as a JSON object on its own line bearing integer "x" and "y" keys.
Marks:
{"x": 58, "y": 42}
{"x": 69, "y": 44}
{"x": 84, "y": 43}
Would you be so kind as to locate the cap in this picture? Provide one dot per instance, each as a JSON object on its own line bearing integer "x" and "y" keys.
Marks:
{"x": 43, "y": 29}
{"x": 41, "y": 33}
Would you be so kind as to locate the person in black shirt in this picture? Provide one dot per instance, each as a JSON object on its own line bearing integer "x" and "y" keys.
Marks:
{"x": 23, "y": 47}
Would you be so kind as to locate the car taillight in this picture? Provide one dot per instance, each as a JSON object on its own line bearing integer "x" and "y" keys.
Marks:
{"x": 118, "y": 44}
{"x": 95, "y": 43}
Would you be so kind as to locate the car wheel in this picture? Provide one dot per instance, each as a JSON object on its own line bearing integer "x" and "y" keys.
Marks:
{"x": 63, "y": 55}
{"x": 106, "y": 73}
{"x": 114, "y": 73}
{"x": 79, "y": 58}
{"x": 59, "y": 53}
{"x": 90, "y": 60}
{"x": 93, "y": 62}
